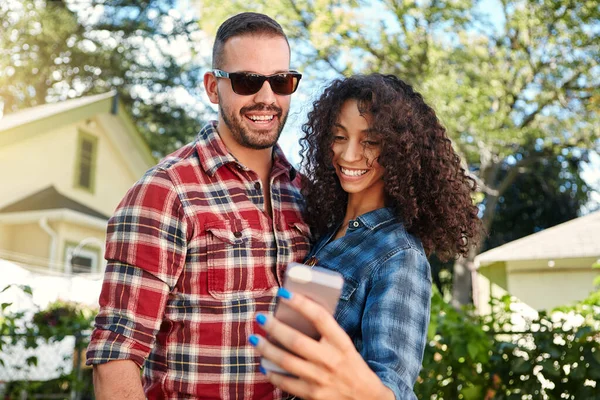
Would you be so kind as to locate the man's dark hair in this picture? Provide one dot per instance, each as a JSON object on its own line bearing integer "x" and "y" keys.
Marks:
{"x": 248, "y": 23}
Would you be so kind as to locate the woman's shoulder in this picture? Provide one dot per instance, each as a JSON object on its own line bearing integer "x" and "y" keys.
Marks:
{"x": 390, "y": 232}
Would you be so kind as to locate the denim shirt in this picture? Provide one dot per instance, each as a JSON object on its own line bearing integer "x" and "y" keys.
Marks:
{"x": 385, "y": 302}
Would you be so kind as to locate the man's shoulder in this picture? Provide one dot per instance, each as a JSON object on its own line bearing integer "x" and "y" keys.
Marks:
{"x": 182, "y": 157}
{"x": 168, "y": 172}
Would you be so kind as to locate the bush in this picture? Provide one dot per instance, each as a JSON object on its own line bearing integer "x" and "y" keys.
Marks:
{"x": 556, "y": 356}
{"x": 63, "y": 318}
{"x": 58, "y": 320}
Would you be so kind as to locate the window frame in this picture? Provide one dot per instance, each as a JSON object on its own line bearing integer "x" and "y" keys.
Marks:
{"x": 81, "y": 137}
{"x": 72, "y": 245}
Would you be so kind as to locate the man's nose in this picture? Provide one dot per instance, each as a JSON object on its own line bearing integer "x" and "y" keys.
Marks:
{"x": 265, "y": 95}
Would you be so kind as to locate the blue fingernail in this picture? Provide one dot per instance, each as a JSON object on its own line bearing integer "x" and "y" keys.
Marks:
{"x": 262, "y": 370}
{"x": 282, "y": 292}
{"x": 253, "y": 339}
{"x": 261, "y": 319}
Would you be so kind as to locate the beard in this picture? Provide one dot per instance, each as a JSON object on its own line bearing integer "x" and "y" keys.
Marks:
{"x": 258, "y": 139}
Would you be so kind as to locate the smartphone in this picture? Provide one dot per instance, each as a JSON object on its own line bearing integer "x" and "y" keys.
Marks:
{"x": 320, "y": 285}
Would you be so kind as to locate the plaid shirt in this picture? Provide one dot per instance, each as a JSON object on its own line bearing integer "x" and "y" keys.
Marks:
{"x": 192, "y": 258}
{"x": 385, "y": 303}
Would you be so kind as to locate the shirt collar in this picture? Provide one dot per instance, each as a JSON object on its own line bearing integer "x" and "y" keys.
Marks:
{"x": 280, "y": 163}
{"x": 214, "y": 154}
{"x": 375, "y": 218}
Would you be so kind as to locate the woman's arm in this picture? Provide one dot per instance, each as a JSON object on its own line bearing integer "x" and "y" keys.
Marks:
{"x": 395, "y": 320}
{"x": 330, "y": 368}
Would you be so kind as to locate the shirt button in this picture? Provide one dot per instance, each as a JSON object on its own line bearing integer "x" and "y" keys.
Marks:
{"x": 257, "y": 186}
{"x": 237, "y": 234}
{"x": 355, "y": 224}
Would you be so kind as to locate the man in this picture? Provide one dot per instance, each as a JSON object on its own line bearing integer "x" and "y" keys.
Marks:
{"x": 199, "y": 244}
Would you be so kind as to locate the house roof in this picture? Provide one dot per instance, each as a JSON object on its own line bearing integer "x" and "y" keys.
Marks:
{"x": 50, "y": 199}
{"x": 33, "y": 114}
{"x": 106, "y": 107}
{"x": 576, "y": 238}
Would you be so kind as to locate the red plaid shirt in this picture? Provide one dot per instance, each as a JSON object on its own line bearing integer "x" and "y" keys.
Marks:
{"x": 192, "y": 258}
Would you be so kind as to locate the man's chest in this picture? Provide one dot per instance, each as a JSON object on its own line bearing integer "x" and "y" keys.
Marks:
{"x": 236, "y": 248}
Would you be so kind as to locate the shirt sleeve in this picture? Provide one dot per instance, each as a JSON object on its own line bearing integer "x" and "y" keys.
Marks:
{"x": 395, "y": 321}
{"x": 145, "y": 250}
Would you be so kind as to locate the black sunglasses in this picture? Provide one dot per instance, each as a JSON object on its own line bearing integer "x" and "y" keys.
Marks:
{"x": 246, "y": 83}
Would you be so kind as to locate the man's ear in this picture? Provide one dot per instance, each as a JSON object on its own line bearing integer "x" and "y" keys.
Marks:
{"x": 210, "y": 85}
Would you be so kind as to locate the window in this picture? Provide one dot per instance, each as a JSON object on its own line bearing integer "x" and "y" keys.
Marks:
{"x": 85, "y": 260}
{"x": 86, "y": 161}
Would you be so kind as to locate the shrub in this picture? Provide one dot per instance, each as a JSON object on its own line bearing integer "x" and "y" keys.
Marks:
{"x": 555, "y": 356}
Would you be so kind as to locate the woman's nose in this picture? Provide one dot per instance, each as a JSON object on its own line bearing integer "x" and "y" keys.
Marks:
{"x": 353, "y": 152}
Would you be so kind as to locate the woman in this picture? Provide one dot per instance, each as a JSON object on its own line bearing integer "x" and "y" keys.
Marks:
{"x": 384, "y": 191}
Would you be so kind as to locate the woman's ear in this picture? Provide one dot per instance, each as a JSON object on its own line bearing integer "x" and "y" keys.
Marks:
{"x": 210, "y": 85}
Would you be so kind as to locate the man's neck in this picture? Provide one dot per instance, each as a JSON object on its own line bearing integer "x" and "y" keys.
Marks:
{"x": 257, "y": 160}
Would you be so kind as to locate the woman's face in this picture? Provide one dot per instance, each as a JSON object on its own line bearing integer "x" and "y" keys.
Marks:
{"x": 355, "y": 152}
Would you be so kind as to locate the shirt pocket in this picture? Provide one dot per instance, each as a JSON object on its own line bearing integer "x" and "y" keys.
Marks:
{"x": 301, "y": 238}
{"x": 345, "y": 312}
{"x": 236, "y": 259}
{"x": 350, "y": 285}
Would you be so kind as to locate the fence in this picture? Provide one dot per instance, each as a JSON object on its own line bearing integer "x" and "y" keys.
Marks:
{"x": 34, "y": 368}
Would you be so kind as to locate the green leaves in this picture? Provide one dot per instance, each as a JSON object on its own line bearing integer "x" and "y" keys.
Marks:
{"x": 469, "y": 356}
{"x": 148, "y": 51}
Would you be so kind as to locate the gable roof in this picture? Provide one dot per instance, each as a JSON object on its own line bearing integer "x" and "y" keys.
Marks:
{"x": 50, "y": 199}
{"x": 33, "y": 121}
{"x": 37, "y": 113}
{"x": 576, "y": 238}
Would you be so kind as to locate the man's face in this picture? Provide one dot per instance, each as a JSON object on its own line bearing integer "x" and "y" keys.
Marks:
{"x": 253, "y": 121}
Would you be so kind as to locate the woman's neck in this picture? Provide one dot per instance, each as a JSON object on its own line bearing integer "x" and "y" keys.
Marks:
{"x": 359, "y": 205}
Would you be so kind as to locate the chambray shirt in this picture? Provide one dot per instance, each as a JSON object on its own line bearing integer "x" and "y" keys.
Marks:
{"x": 385, "y": 302}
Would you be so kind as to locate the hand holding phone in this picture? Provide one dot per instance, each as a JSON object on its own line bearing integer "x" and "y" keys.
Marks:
{"x": 321, "y": 285}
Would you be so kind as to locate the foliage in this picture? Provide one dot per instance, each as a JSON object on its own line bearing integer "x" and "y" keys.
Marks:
{"x": 60, "y": 388}
{"x": 63, "y": 318}
{"x": 456, "y": 356}
{"x": 535, "y": 201}
{"x": 11, "y": 324}
{"x": 58, "y": 320}
{"x": 147, "y": 50}
{"x": 553, "y": 356}
{"x": 514, "y": 85}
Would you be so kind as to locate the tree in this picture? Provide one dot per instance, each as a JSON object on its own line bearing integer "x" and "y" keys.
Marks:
{"x": 536, "y": 201}
{"x": 527, "y": 77}
{"x": 146, "y": 49}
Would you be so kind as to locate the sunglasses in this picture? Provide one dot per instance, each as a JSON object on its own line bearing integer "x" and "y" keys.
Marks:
{"x": 246, "y": 83}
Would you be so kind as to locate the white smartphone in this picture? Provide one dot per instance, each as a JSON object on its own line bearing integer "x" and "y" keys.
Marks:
{"x": 320, "y": 285}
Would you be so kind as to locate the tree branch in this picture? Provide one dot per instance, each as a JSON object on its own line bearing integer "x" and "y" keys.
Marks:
{"x": 516, "y": 170}
{"x": 529, "y": 118}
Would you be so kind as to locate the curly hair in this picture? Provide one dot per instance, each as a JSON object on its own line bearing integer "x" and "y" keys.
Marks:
{"x": 423, "y": 180}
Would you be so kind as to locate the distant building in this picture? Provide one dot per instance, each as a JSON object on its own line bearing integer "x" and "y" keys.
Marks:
{"x": 64, "y": 168}
{"x": 550, "y": 268}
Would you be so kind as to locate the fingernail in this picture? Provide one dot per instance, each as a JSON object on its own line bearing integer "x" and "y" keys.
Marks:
{"x": 253, "y": 339}
{"x": 262, "y": 370}
{"x": 282, "y": 292}
{"x": 261, "y": 319}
